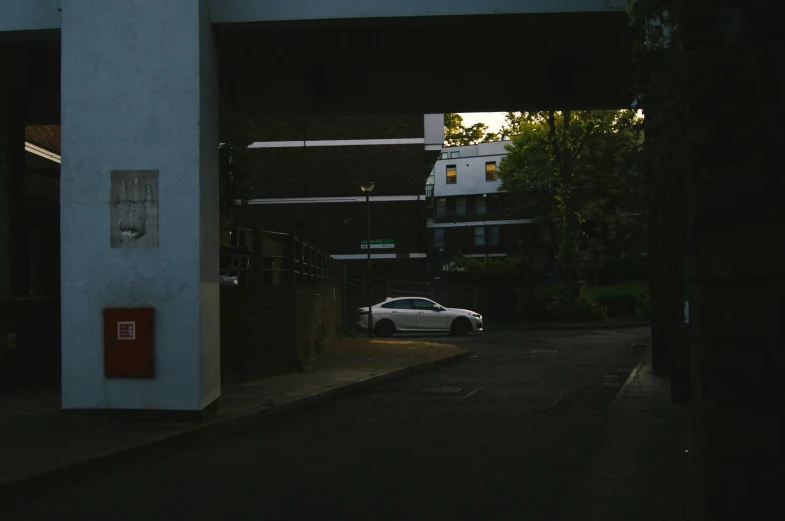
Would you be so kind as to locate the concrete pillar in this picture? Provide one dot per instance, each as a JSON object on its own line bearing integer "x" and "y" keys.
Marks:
{"x": 736, "y": 230}
{"x": 140, "y": 93}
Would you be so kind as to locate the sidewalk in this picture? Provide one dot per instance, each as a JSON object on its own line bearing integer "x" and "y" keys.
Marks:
{"x": 39, "y": 446}
{"x": 612, "y": 323}
{"x": 638, "y": 469}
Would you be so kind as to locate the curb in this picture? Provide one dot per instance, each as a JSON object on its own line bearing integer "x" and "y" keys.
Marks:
{"x": 631, "y": 378}
{"x": 570, "y": 327}
{"x": 18, "y": 491}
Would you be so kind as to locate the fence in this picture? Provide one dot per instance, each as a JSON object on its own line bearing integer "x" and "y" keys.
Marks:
{"x": 259, "y": 258}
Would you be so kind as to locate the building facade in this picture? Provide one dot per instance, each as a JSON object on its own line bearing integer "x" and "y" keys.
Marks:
{"x": 467, "y": 213}
{"x": 306, "y": 181}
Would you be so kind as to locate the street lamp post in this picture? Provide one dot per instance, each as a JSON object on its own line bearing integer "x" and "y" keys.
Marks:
{"x": 367, "y": 188}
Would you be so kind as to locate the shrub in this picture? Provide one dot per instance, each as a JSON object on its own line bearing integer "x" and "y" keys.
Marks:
{"x": 583, "y": 308}
{"x": 643, "y": 307}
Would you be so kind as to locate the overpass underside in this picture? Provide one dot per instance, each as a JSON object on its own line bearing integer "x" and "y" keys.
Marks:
{"x": 385, "y": 65}
{"x": 138, "y": 90}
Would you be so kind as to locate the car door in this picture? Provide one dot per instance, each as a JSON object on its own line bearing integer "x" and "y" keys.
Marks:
{"x": 428, "y": 316}
{"x": 404, "y": 315}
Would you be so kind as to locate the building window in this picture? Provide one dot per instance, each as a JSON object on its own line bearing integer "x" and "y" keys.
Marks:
{"x": 493, "y": 235}
{"x": 479, "y": 236}
{"x": 444, "y": 155}
{"x": 455, "y": 153}
{"x": 490, "y": 171}
{"x": 438, "y": 237}
{"x": 493, "y": 204}
{"x": 452, "y": 174}
{"x": 460, "y": 206}
{"x": 479, "y": 205}
{"x": 441, "y": 206}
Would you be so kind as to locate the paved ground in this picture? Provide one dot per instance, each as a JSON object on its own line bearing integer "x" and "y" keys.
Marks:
{"x": 38, "y": 441}
{"x": 507, "y": 435}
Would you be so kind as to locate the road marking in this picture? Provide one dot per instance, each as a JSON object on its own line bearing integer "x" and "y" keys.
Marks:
{"x": 440, "y": 390}
{"x": 547, "y": 351}
{"x": 554, "y": 402}
{"x": 473, "y": 392}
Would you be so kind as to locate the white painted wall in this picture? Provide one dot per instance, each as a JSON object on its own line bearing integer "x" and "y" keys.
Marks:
{"x": 471, "y": 170}
{"x": 434, "y": 130}
{"x": 139, "y": 91}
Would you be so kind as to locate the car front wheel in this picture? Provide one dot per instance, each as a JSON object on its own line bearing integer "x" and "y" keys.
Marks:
{"x": 461, "y": 327}
{"x": 385, "y": 328}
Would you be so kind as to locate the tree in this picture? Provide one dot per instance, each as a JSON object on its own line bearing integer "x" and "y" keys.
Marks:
{"x": 456, "y": 134}
{"x": 571, "y": 168}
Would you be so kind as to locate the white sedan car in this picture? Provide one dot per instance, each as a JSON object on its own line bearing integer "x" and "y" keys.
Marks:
{"x": 414, "y": 314}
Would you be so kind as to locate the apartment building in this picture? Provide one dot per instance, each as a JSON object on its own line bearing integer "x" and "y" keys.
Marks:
{"x": 467, "y": 213}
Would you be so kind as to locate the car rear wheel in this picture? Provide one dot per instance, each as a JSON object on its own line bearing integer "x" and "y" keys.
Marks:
{"x": 461, "y": 327}
{"x": 384, "y": 328}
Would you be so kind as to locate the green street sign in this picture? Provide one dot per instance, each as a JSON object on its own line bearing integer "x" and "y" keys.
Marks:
{"x": 378, "y": 243}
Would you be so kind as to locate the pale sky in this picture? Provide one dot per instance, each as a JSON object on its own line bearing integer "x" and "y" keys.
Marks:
{"x": 494, "y": 120}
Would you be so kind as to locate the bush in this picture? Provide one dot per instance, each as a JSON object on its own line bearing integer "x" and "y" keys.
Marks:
{"x": 643, "y": 307}
{"x": 583, "y": 308}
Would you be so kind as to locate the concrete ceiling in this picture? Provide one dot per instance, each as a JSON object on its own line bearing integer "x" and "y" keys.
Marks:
{"x": 402, "y": 65}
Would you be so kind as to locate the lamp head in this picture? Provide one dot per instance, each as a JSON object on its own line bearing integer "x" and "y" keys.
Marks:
{"x": 367, "y": 187}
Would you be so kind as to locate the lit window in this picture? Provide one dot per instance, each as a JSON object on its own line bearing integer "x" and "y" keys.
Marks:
{"x": 455, "y": 153}
{"x": 441, "y": 206}
{"x": 479, "y": 236}
{"x": 479, "y": 205}
{"x": 452, "y": 174}
{"x": 490, "y": 171}
{"x": 493, "y": 235}
{"x": 460, "y": 206}
{"x": 438, "y": 237}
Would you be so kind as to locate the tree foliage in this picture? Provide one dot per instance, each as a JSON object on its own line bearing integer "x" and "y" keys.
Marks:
{"x": 512, "y": 265}
{"x": 575, "y": 169}
{"x": 456, "y": 134}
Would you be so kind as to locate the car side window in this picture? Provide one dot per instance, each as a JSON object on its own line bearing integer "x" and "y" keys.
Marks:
{"x": 403, "y": 304}
{"x": 423, "y": 304}
{"x": 389, "y": 305}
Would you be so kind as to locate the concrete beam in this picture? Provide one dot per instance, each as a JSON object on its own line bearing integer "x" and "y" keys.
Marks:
{"x": 29, "y": 15}
{"x": 236, "y": 11}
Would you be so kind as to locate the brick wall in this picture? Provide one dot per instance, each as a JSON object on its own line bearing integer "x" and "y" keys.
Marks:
{"x": 737, "y": 290}
{"x": 323, "y": 223}
{"x": 319, "y": 127}
{"x": 273, "y": 330}
{"x": 338, "y": 171}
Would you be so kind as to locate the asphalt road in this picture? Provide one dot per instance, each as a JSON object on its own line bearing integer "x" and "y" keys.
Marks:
{"x": 499, "y": 437}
